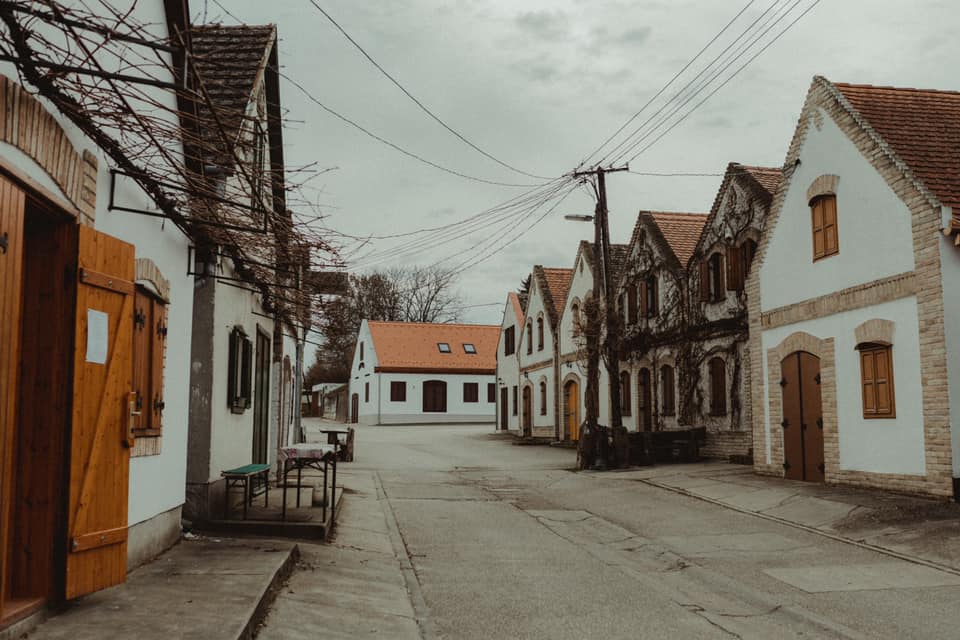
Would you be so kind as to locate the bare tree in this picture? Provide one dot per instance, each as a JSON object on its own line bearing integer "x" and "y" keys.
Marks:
{"x": 427, "y": 294}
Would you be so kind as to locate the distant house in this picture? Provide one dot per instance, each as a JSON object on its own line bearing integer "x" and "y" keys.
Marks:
{"x": 539, "y": 408}
{"x": 416, "y": 373}
{"x": 853, "y": 301}
{"x": 508, "y": 365}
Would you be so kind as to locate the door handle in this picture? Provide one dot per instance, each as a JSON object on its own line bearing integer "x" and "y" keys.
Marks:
{"x": 131, "y": 418}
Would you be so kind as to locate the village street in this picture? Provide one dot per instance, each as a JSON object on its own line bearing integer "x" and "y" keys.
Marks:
{"x": 506, "y": 542}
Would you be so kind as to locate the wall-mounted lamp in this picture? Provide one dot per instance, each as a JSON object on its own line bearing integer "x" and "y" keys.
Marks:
{"x": 526, "y": 375}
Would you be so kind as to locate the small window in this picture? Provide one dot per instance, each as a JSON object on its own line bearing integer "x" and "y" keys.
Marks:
{"x": 444, "y": 347}
{"x": 366, "y": 392}
{"x": 668, "y": 401}
{"x": 239, "y": 371}
{"x": 823, "y": 213}
{"x": 632, "y": 304}
{"x": 149, "y": 345}
{"x": 575, "y": 319}
{"x": 509, "y": 341}
{"x": 469, "y": 348}
{"x": 471, "y": 392}
{"x": 711, "y": 278}
{"x": 514, "y": 400}
{"x": 876, "y": 376}
{"x": 491, "y": 392}
{"x": 398, "y": 391}
{"x": 718, "y": 387}
{"x": 651, "y": 295}
{"x": 625, "y": 402}
{"x": 361, "y": 352}
{"x": 543, "y": 398}
{"x": 540, "y": 333}
{"x": 529, "y": 337}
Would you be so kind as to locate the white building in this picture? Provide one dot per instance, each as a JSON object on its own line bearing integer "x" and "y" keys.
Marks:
{"x": 508, "y": 365}
{"x": 417, "y": 373}
{"x": 853, "y": 304}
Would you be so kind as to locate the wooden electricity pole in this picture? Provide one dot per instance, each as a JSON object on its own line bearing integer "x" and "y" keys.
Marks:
{"x": 603, "y": 294}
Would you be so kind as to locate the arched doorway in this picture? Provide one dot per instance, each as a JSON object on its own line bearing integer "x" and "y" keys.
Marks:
{"x": 802, "y": 417}
{"x": 645, "y": 405}
{"x": 354, "y": 408}
{"x": 571, "y": 411}
{"x": 527, "y": 410}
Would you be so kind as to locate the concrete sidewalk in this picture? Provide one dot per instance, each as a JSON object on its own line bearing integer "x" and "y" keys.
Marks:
{"x": 209, "y": 589}
{"x": 919, "y": 529}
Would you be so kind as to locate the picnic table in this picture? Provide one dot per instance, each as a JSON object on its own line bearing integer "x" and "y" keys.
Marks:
{"x": 244, "y": 477}
{"x": 317, "y": 456}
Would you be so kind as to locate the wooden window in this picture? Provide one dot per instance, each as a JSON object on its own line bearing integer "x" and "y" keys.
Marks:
{"x": 715, "y": 277}
{"x": 514, "y": 399}
{"x": 149, "y": 344}
{"x": 361, "y": 352}
{"x": 239, "y": 371}
{"x": 434, "y": 396}
{"x": 823, "y": 211}
{"x": 509, "y": 341}
{"x": 625, "y": 402}
{"x": 529, "y": 337}
{"x": 632, "y": 304}
{"x": 491, "y": 392}
{"x": 575, "y": 319}
{"x": 747, "y": 250}
{"x": 469, "y": 348}
{"x": 876, "y": 375}
{"x": 444, "y": 347}
{"x": 398, "y": 391}
{"x": 651, "y": 297}
{"x": 543, "y": 398}
{"x": 718, "y": 387}
{"x": 540, "y": 333}
{"x": 471, "y": 392}
{"x": 734, "y": 269}
{"x": 366, "y": 392}
{"x": 668, "y": 403}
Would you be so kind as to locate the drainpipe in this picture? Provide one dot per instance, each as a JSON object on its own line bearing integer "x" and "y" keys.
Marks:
{"x": 298, "y": 391}
{"x": 556, "y": 386}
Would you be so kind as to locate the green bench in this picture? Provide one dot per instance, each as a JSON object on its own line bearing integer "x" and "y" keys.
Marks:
{"x": 243, "y": 477}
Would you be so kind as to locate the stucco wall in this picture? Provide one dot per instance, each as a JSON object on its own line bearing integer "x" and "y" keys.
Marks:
{"x": 382, "y": 410}
{"x": 950, "y": 270}
{"x": 508, "y": 367}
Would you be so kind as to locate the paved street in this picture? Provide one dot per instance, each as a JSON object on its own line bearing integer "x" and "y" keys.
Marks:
{"x": 506, "y": 542}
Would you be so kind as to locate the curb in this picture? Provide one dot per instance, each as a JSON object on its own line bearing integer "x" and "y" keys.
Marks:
{"x": 820, "y": 532}
{"x": 269, "y": 594}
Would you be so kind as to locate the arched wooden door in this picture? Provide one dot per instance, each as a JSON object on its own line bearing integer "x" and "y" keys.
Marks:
{"x": 644, "y": 394}
{"x": 802, "y": 417}
{"x": 354, "y": 408}
{"x": 527, "y": 410}
{"x": 571, "y": 398}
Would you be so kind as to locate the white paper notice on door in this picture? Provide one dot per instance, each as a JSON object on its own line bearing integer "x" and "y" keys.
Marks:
{"x": 98, "y": 323}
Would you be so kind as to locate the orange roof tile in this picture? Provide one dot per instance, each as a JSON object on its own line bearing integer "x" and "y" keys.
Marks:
{"x": 921, "y": 126}
{"x": 768, "y": 177}
{"x": 412, "y": 346}
{"x": 556, "y": 284}
{"x": 517, "y": 307}
{"x": 681, "y": 231}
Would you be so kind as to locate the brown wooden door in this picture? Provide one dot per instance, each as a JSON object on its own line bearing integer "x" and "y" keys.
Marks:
{"x": 434, "y": 396}
{"x": 100, "y": 434}
{"x": 571, "y": 398}
{"x": 504, "y": 407}
{"x": 645, "y": 415}
{"x": 527, "y": 410}
{"x": 802, "y": 425}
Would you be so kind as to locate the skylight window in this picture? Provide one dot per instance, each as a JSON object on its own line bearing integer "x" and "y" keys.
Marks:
{"x": 444, "y": 347}
{"x": 469, "y": 348}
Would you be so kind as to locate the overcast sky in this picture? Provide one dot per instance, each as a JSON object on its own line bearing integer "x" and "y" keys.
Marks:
{"x": 539, "y": 84}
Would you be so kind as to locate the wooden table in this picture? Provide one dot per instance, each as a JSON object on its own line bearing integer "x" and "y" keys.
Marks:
{"x": 242, "y": 477}
{"x": 313, "y": 455}
{"x": 333, "y": 437}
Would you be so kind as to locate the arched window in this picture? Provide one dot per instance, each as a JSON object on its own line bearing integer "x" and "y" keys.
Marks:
{"x": 711, "y": 278}
{"x": 718, "y": 386}
{"x": 747, "y": 250}
{"x": 668, "y": 403}
{"x": 625, "y": 403}
{"x": 529, "y": 337}
{"x": 540, "y": 333}
{"x": 823, "y": 213}
{"x": 543, "y": 398}
{"x": 575, "y": 318}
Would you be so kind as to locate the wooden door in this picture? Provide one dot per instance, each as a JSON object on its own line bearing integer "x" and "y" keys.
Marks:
{"x": 261, "y": 399}
{"x": 434, "y": 396}
{"x": 645, "y": 414}
{"x": 504, "y": 407}
{"x": 101, "y": 433}
{"x": 803, "y": 457}
{"x": 572, "y": 412}
{"x": 11, "y": 293}
{"x": 354, "y": 408}
{"x": 527, "y": 411}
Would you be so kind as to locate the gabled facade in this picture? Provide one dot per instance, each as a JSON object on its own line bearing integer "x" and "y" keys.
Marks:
{"x": 423, "y": 373}
{"x": 508, "y": 365}
{"x": 854, "y": 315}
{"x": 538, "y": 352}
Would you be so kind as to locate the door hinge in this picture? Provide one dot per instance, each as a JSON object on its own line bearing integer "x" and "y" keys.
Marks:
{"x": 161, "y": 330}
{"x": 4, "y": 242}
{"x": 783, "y": 382}
{"x": 158, "y": 405}
{"x": 816, "y": 378}
{"x": 139, "y": 319}
{"x": 785, "y": 424}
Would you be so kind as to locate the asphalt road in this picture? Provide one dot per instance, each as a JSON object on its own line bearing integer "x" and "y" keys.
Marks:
{"x": 507, "y": 541}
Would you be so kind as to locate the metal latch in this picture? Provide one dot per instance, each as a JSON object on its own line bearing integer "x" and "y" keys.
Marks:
{"x": 4, "y": 241}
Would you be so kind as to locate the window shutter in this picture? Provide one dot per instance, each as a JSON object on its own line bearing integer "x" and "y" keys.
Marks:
{"x": 157, "y": 355}
{"x": 868, "y": 378}
{"x": 653, "y": 293}
{"x": 881, "y": 362}
{"x": 829, "y": 225}
{"x": 644, "y": 310}
{"x": 141, "y": 356}
{"x": 632, "y": 303}
{"x": 246, "y": 372}
{"x": 734, "y": 277}
{"x": 704, "y": 280}
{"x": 816, "y": 211}
{"x": 233, "y": 363}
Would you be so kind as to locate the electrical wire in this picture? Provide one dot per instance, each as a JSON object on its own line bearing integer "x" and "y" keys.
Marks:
{"x": 416, "y": 101}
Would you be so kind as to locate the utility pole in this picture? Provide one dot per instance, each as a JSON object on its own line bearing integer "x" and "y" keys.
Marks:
{"x": 603, "y": 293}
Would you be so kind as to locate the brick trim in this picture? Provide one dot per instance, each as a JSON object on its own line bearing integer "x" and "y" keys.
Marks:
{"x": 147, "y": 271}
{"x": 825, "y": 185}
{"x": 876, "y": 330}
{"x": 27, "y": 125}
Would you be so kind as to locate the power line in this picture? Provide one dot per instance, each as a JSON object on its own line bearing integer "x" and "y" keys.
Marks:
{"x": 415, "y": 100}
{"x": 675, "y": 175}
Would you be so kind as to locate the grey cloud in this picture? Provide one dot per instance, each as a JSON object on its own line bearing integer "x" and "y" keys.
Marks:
{"x": 548, "y": 25}
{"x": 634, "y": 36}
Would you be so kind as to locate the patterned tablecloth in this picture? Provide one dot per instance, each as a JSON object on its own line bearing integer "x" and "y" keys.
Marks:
{"x": 307, "y": 450}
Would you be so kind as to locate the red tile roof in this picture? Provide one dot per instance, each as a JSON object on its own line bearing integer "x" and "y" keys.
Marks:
{"x": 681, "y": 231}
{"x": 517, "y": 307}
{"x": 412, "y": 346}
{"x": 768, "y": 177}
{"x": 555, "y": 284}
{"x": 921, "y": 126}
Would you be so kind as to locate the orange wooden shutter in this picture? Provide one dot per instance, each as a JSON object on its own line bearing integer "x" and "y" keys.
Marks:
{"x": 868, "y": 378}
{"x": 829, "y": 225}
{"x": 881, "y": 362}
{"x": 142, "y": 310}
{"x": 157, "y": 353}
{"x": 816, "y": 211}
{"x": 704, "y": 280}
{"x": 102, "y": 380}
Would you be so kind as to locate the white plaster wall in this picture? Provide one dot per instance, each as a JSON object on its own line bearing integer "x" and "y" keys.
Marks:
{"x": 361, "y": 373}
{"x": 386, "y": 411}
{"x": 877, "y": 445}
{"x": 580, "y": 287}
{"x": 508, "y": 368}
{"x": 874, "y": 231}
{"x": 535, "y": 308}
{"x": 231, "y": 434}
{"x": 950, "y": 272}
